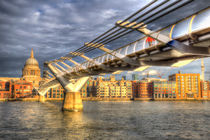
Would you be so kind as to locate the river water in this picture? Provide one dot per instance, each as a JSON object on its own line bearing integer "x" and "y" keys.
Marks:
{"x": 106, "y": 120}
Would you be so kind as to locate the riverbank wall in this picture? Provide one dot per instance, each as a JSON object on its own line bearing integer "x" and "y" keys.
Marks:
{"x": 103, "y": 99}
{"x": 28, "y": 99}
{"x": 169, "y": 99}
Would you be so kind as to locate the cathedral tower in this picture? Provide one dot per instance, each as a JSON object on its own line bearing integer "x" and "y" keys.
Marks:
{"x": 31, "y": 71}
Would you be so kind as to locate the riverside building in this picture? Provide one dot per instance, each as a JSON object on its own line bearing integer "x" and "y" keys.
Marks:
{"x": 5, "y": 89}
{"x": 205, "y": 89}
{"x": 114, "y": 89}
{"x": 91, "y": 88}
{"x": 143, "y": 89}
{"x": 164, "y": 89}
{"x": 21, "y": 89}
{"x": 187, "y": 85}
{"x": 55, "y": 93}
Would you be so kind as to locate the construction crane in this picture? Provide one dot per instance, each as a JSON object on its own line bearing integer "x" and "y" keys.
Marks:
{"x": 160, "y": 75}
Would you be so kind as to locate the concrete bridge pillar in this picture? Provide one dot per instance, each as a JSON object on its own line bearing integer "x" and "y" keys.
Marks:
{"x": 72, "y": 102}
{"x": 41, "y": 98}
{"x": 72, "y": 98}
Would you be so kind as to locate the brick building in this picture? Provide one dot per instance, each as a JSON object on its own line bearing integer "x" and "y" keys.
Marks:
{"x": 5, "y": 89}
{"x": 22, "y": 88}
{"x": 187, "y": 85}
{"x": 143, "y": 89}
{"x": 164, "y": 89}
{"x": 205, "y": 89}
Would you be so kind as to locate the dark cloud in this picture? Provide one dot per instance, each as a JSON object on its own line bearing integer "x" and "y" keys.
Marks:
{"x": 54, "y": 27}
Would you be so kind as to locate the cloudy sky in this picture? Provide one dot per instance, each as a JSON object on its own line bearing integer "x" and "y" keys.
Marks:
{"x": 55, "y": 27}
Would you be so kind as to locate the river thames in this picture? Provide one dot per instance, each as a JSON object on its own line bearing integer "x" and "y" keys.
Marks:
{"x": 106, "y": 120}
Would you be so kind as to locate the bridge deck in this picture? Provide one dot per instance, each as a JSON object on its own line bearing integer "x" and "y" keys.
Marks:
{"x": 195, "y": 28}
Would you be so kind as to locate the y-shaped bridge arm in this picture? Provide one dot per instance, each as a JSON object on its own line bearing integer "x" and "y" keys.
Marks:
{"x": 66, "y": 84}
{"x": 51, "y": 83}
{"x": 77, "y": 67}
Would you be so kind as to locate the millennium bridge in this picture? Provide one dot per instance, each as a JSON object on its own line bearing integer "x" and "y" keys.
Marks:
{"x": 145, "y": 44}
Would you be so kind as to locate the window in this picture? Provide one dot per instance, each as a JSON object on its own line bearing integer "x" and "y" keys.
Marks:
{"x": 32, "y": 72}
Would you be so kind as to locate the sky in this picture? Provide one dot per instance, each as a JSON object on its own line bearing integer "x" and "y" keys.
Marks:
{"x": 55, "y": 27}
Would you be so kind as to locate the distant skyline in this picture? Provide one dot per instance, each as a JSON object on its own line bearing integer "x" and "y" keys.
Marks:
{"x": 55, "y": 27}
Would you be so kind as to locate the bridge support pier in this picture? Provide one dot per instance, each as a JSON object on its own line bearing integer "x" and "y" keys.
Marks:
{"x": 72, "y": 99}
{"x": 41, "y": 98}
{"x": 72, "y": 102}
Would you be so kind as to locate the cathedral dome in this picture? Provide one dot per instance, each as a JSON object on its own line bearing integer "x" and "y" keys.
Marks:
{"x": 32, "y": 60}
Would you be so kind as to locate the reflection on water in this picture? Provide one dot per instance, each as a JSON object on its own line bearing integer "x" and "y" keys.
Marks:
{"x": 106, "y": 120}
